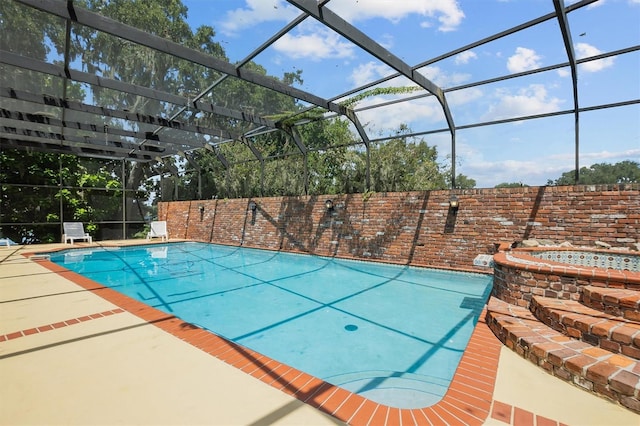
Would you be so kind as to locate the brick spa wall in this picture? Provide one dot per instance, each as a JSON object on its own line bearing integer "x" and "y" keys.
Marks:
{"x": 518, "y": 277}
{"x": 417, "y": 228}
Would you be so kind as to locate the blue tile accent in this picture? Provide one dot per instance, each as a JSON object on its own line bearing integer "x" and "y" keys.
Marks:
{"x": 605, "y": 260}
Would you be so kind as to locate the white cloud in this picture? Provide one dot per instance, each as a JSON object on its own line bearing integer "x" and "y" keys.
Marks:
{"x": 465, "y": 57}
{"x": 463, "y": 97}
{"x": 606, "y": 156}
{"x": 415, "y": 114}
{"x": 530, "y": 100}
{"x": 442, "y": 78}
{"x": 592, "y": 5}
{"x": 536, "y": 170}
{"x": 601, "y": 3}
{"x": 371, "y": 71}
{"x": 448, "y": 13}
{"x": 256, "y": 12}
{"x": 320, "y": 43}
{"x": 532, "y": 172}
{"x": 523, "y": 60}
{"x": 387, "y": 40}
{"x": 415, "y": 110}
{"x": 585, "y": 50}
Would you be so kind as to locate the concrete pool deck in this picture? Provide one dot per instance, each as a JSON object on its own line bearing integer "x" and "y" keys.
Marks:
{"x": 69, "y": 356}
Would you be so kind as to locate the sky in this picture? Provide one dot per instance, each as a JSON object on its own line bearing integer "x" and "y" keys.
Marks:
{"x": 415, "y": 31}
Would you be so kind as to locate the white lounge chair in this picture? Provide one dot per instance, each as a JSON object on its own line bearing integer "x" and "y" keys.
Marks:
{"x": 158, "y": 230}
{"x": 75, "y": 231}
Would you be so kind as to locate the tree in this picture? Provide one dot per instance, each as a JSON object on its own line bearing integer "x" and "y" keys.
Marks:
{"x": 336, "y": 163}
{"x": 403, "y": 165}
{"x": 41, "y": 188}
{"x": 510, "y": 185}
{"x": 464, "y": 182}
{"x": 602, "y": 173}
{"x": 333, "y": 167}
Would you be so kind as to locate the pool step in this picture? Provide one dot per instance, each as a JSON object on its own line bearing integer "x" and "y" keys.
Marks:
{"x": 595, "y": 327}
{"x": 610, "y": 375}
{"x": 613, "y": 301}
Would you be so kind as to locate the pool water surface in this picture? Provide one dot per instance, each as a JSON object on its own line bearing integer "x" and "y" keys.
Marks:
{"x": 393, "y": 334}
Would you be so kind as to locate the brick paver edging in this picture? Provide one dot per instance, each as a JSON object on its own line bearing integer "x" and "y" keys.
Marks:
{"x": 60, "y": 324}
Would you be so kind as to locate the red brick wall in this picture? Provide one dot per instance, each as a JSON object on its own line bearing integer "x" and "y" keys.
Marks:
{"x": 415, "y": 227}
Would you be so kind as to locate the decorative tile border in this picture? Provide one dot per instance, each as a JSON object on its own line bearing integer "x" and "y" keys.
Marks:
{"x": 594, "y": 259}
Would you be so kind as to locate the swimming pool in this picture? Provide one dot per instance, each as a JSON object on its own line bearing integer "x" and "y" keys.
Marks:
{"x": 393, "y": 334}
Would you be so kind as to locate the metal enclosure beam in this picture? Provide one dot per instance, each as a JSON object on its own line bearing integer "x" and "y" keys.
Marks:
{"x": 568, "y": 45}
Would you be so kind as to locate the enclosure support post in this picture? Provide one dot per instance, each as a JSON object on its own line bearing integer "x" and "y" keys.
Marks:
{"x": 124, "y": 202}
{"x": 453, "y": 159}
{"x": 262, "y": 177}
{"x": 306, "y": 173}
{"x": 60, "y": 197}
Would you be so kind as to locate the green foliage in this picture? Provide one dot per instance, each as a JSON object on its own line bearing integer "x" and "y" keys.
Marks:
{"x": 37, "y": 185}
{"x": 464, "y": 182}
{"x": 22, "y": 30}
{"x": 288, "y": 118}
{"x": 334, "y": 162}
{"x": 118, "y": 59}
{"x": 602, "y": 173}
{"x": 401, "y": 165}
{"x": 142, "y": 233}
{"x": 510, "y": 185}
{"x": 367, "y": 195}
{"x": 378, "y": 91}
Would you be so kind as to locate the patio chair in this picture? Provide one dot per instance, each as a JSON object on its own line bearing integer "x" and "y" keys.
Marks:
{"x": 75, "y": 231}
{"x": 158, "y": 230}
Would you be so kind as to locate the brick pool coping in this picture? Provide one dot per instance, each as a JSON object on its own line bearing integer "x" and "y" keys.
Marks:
{"x": 468, "y": 401}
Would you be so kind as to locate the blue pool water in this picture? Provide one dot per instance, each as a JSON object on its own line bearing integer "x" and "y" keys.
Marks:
{"x": 393, "y": 334}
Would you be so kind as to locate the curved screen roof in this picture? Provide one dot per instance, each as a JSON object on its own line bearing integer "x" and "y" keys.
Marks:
{"x": 507, "y": 90}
